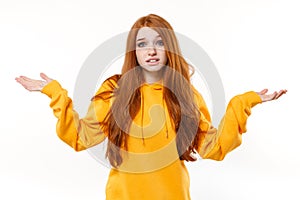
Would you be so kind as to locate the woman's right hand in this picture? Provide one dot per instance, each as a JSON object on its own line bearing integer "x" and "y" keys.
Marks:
{"x": 32, "y": 84}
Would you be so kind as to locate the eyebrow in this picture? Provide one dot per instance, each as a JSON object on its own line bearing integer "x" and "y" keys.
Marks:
{"x": 145, "y": 38}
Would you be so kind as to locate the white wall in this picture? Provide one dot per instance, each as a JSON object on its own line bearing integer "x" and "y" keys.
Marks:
{"x": 254, "y": 44}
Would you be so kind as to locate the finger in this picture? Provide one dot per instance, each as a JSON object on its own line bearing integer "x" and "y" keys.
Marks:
{"x": 29, "y": 81}
{"x": 269, "y": 97}
{"x": 280, "y": 93}
{"x": 17, "y": 79}
{"x": 45, "y": 77}
{"x": 273, "y": 96}
{"x": 264, "y": 91}
{"x": 21, "y": 80}
{"x": 30, "y": 84}
{"x": 26, "y": 78}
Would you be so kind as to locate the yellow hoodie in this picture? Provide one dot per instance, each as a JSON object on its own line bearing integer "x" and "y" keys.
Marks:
{"x": 151, "y": 168}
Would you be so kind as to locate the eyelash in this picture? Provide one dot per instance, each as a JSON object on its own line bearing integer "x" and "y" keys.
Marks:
{"x": 159, "y": 43}
{"x": 141, "y": 44}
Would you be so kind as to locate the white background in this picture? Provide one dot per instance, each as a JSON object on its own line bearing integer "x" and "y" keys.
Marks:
{"x": 253, "y": 43}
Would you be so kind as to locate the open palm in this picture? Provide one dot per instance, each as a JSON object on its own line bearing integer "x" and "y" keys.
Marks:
{"x": 32, "y": 84}
{"x": 269, "y": 97}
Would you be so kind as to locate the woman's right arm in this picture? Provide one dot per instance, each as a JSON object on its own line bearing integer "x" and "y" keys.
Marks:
{"x": 78, "y": 133}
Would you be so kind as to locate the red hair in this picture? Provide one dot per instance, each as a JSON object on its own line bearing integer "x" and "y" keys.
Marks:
{"x": 177, "y": 93}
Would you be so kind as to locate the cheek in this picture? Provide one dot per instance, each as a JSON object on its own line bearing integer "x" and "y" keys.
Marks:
{"x": 139, "y": 56}
{"x": 164, "y": 57}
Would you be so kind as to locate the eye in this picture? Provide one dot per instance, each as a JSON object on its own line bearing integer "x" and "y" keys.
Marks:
{"x": 160, "y": 43}
{"x": 141, "y": 44}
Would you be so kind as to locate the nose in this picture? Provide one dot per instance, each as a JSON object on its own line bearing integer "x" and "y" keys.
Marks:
{"x": 151, "y": 51}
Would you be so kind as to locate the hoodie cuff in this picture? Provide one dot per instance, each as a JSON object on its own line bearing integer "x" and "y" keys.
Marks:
{"x": 51, "y": 88}
{"x": 251, "y": 98}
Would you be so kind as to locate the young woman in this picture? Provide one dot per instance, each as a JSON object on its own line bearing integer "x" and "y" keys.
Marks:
{"x": 152, "y": 116}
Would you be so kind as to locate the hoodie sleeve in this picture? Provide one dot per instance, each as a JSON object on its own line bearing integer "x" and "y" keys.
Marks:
{"x": 215, "y": 143}
{"x": 78, "y": 133}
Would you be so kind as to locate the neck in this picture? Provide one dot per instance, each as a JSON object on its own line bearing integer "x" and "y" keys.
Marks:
{"x": 152, "y": 77}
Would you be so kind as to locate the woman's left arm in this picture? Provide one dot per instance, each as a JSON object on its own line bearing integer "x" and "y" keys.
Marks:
{"x": 216, "y": 143}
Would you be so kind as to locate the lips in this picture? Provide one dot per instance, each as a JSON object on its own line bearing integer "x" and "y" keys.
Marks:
{"x": 152, "y": 61}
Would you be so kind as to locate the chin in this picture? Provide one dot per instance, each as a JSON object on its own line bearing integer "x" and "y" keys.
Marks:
{"x": 152, "y": 68}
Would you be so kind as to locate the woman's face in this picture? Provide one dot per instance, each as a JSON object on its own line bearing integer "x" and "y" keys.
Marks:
{"x": 150, "y": 50}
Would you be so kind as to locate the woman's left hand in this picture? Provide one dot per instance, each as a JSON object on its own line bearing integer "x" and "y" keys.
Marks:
{"x": 269, "y": 97}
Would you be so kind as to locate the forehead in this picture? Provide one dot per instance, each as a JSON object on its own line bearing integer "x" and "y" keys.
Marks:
{"x": 147, "y": 33}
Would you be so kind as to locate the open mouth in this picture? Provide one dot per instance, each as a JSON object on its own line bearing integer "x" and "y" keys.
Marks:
{"x": 152, "y": 60}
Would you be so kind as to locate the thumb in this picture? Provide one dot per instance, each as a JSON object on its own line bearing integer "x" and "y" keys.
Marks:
{"x": 264, "y": 91}
{"x": 45, "y": 77}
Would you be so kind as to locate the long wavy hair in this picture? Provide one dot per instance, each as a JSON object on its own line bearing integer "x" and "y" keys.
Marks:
{"x": 177, "y": 94}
